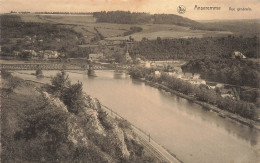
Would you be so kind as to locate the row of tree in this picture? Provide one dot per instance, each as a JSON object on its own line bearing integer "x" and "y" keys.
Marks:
{"x": 202, "y": 93}
{"x": 122, "y": 17}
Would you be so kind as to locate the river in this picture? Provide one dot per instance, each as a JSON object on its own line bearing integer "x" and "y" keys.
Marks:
{"x": 192, "y": 133}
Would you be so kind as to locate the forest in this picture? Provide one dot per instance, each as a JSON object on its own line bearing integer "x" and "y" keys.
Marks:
{"x": 122, "y": 17}
{"x": 127, "y": 17}
{"x": 230, "y": 71}
{"x": 196, "y": 48}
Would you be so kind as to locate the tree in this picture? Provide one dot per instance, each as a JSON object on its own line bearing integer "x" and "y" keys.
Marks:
{"x": 73, "y": 98}
{"x": 131, "y": 39}
{"x": 39, "y": 73}
{"x": 60, "y": 82}
{"x": 120, "y": 58}
{"x": 12, "y": 83}
{"x": 5, "y": 74}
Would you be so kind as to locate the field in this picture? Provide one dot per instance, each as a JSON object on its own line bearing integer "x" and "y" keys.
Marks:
{"x": 85, "y": 25}
{"x": 245, "y": 28}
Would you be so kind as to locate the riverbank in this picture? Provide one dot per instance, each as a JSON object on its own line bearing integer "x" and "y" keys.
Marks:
{"x": 221, "y": 113}
{"x": 218, "y": 111}
{"x": 152, "y": 148}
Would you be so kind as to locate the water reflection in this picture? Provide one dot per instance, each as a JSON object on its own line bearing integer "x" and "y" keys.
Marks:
{"x": 118, "y": 75}
{"x": 136, "y": 82}
{"x": 186, "y": 129}
{"x": 237, "y": 129}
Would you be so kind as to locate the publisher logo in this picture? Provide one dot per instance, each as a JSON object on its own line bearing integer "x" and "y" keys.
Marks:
{"x": 181, "y": 9}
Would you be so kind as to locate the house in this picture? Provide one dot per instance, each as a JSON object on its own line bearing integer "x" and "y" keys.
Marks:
{"x": 202, "y": 81}
{"x": 157, "y": 73}
{"x": 211, "y": 85}
{"x": 170, "y": 73}
{"x": 220, "y": 85}
{"x": 197, "y": 81}
{"x": 228, "y": 96}
{"x": 94, "y": 57}
{"x": 16, "y": 53}
{"x": 228, "y": 92}
{"x": 29, "y": 54}
{"x": 196, "y": 76}
{"x": 178, "y": 75}
{"x": 57, "y": 39}
{"x": 237, "y": 55}
{"x": 49, "y": 54}
{"x": 177, "y": 69}
{"x": 53, "y": 55}
{"x": 187, "y": 76}
{"x": 147, "y": 64}
{"x": 28, "y": 38}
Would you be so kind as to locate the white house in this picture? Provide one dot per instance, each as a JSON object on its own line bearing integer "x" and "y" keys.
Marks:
{"x": 197, "y": 82}
{"x": 220, "y": 85}
{"x": 147, "y": 64}
{"x": 178, "y": 75}
{"x": 157, "y": 73}
{"x": 196, "y": 76}
{"x": 49, "y": 54}
{"x": 237, "y": 54}
{"x": 187, "y": 76}
{"x": 170, "y": 73}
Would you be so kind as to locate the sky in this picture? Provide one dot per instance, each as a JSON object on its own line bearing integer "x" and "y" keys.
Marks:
{"x": 150, "y": 6}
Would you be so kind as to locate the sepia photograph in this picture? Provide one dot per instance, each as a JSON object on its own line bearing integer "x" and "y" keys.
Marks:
{"x": 130, "y": 81}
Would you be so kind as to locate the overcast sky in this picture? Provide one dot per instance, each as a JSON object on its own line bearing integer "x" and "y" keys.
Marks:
{"x": 151, "y": 6}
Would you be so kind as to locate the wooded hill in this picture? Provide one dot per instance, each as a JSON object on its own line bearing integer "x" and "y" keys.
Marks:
{"x": 194, "y": 48}
{"x": 127, "y": 17}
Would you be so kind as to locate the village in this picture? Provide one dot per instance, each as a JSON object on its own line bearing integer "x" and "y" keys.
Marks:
{"x": 171, "y": 67}
{"x": 127, "y": 86}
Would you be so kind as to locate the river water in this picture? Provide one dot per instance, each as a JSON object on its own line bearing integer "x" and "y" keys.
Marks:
{"x": 193, "y": 134}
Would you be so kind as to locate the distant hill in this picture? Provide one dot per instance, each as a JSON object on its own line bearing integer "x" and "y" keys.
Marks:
{"x": 246, "y": 28}
{"x": 127, "y": 17}
{"x": 176, "y": 20}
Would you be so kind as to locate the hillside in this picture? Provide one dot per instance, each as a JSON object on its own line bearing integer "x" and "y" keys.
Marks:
{"x": 40, "y": 127}
{"x": 123, "y": 17}
{"x": 246, "y": 28}
{"x": 194, "y": 48}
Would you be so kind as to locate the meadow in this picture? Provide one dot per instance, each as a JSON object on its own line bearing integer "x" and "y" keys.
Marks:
{"x": 85, "y": 24}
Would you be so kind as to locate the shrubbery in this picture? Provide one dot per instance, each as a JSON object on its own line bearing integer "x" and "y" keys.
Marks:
{"x": 70, "y": 94}
{"x": 73, "y": 98}
{"x": 11, "y": 82}
{"x": 59, "y": 83}
{"x": 133, "y": 29}
{"x": 39, "y": 73}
